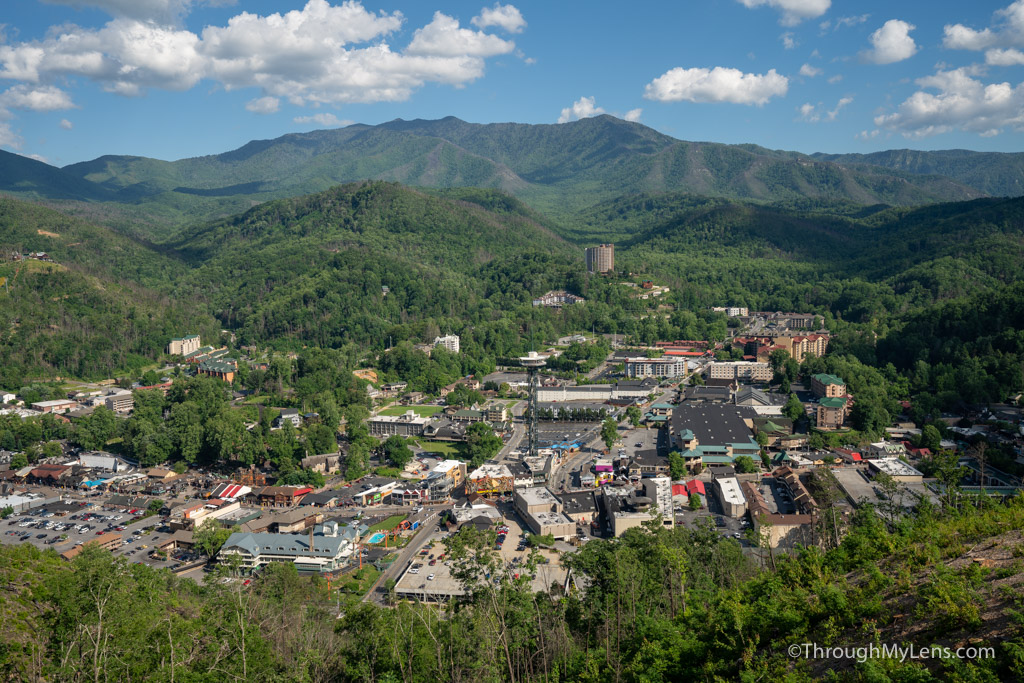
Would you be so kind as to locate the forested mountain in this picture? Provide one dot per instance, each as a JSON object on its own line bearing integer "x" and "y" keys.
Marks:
{"x": 33, "y": 179}
{"x": 92, "y": 312}
{"x": 994, "y": 173}
{"x": 555, "y": 168}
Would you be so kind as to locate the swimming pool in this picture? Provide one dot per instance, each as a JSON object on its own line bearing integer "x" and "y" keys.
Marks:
{"x": 377, "y": 537}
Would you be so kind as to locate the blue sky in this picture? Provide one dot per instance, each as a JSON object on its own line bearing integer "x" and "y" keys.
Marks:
{"x": 179, "y": 78}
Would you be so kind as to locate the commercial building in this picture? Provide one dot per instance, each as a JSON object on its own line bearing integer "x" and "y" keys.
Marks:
{"x": 557, "y": 299}
{"x": 407, "y": 424}
{"x": 727, "y": 490}
{"x": 321, "y": 551}
{"x": 449, "y": 342}
{"x": 184, "y": 346}
{"x": 106, "y": 542}
{"x": 825, "y": 385}
{"x": 61, "y": 405}
{"x": 542, "y": 512}
{"x": 895, "y": 468}
{"x": 775, "y": 530}
{"x": 627, "y": 508}
{"x": 120, "y": 401}
{"x": 600, "y": 259}
{"x": 579, "y": 506}
{"x": 599, "y": 393}
{"x": 667, "y": 366}
{"x": 713, "y": 433}
{"x": 489, "y": 480}
{"x": 742, "y": 370}
{"x": 831, "y": 412}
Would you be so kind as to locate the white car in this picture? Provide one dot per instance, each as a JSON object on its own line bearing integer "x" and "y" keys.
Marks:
{"x": 414, "y": 570}
{"x": 430, "y": 578}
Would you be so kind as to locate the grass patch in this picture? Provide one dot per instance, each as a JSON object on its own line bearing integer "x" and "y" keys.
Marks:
{"x": 442, "y": 447}
{"x": 387, "y": 525}
{"x": 422, "y": 411}
{"x": 355, "y": 586}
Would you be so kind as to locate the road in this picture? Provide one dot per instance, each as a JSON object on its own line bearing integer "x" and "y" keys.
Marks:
{"x": 404, "y": 556}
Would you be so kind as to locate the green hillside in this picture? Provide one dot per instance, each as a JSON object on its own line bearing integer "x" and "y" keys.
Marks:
{"x": 36, "y": 180}
{"x": 994, "y": 173}
{"x": 557, "y": 169}
{"x": 95, "y": 310}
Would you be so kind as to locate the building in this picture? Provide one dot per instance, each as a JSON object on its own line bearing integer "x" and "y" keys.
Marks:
{"x": 825, "y": 385}
{"x": 120, "y": 401}
{"x": 61, "y": 405}
{"x": 449, "y": 342}
{"x": 221, "y": 368}
{"x": 741, "y": 370}
{"x": 667, "y": 366}
{"x": 288, "y": 415}
{"x": 727, "y": 490}
{"x": 579, "y": 506}
{"x": 106, "y": 542}
{"x": 777, "y": 531}
{"x": 558, "y": 298}
{"x": 321, "y": 551}
{"x": 328, "y": 462}
{"x": 600, "y": 259}
{"x": 407, "y": 424}
{"x": 762, "y": 403}
{"x": 713, "y": 433}
{"x": 542, "y": 512}
{"x": 886, "y": 449}
{"x": 281, "y": 496}
{"x": 184, "y": 346}
{"x": 490, "y": 480}
{"x": 831, "y": 412}
{"x": 895, "y": 468}
{"x": 627, "y": 508}
{"x": 599, "y": 393}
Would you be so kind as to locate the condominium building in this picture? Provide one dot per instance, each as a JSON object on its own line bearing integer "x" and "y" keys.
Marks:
{"x": 825, "y": 385}
{"x": 601, "y": 259}
{"x": 184, "y": 345}
{"x": 449, "y": 341}
{"x": 749, "y": 371}
{"x": 668, "y": 366}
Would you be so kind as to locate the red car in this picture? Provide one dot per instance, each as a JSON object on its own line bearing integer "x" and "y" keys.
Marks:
{"x": 100, "y": 533}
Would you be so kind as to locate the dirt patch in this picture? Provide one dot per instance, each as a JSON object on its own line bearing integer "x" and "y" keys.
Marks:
{"x": 47, "y": 233}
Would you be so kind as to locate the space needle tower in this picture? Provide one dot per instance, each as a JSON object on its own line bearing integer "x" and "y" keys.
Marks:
{"x": 532, "y": 362}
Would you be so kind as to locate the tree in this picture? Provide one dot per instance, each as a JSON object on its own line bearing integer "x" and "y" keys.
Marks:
{"x": 676, "y": 465}
{"x": 745, "y": 464}
{"x": 793, "y": 409}
{"x": 762, "y": 439}
{"x": 397, "y": 451}
{"x": 610, "y": 432}
{"x": 210, "y": 537}
{"x": 481, "y": 444}
{"x": 320, "y": 439}
{"x": 633, "y": 415}
{"x": 931, "y": 438}
{"x": 694, "y": 501}
{"x": 6, "y": 512}
{"x": 155, "y": 506}
{"x": 19, "y": 460}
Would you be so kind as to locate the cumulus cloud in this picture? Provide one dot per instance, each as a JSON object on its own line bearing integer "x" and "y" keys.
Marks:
{"x": 323, "y": 119}
{"x": 960, "y": 101}
{"x": 263, "y": 105}
{"x": 444, "y": 37}
{"x": 891, "y": 43}
{"x": 35, "y": 98}
{"x": 633, "y": 114}
{"x": 161, "y": 11}
{"x": 809, "y": 71}
{"x": 1007, "y": 31}
{"x": 835, "y": 79}
{"x": 720, "y": 84}
{"x": 66, "y": 125}
{"x": 867, "y": 135}
{"x": 1004, "y": 57}
{"x": 502, "y": 16}
{"x": 8, "y": 138}
{"x": 816, "y": 113}
{"x": 793, "y": 11}
{"x": 320, "y": 53}
{"x": 788, "y": 41}
{"x": 582, "y": 108}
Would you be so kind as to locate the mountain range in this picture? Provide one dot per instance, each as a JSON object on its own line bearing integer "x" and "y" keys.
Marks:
{"x": 557, "y": 169}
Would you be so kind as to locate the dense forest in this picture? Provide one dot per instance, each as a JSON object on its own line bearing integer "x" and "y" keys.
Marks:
{"x": 658, "y": 605}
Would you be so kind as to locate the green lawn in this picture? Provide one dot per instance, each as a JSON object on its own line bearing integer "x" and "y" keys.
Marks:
{"x": 422, "y": 411}
{"x": 386, "y": 525}
{"x": 442, "y": 447}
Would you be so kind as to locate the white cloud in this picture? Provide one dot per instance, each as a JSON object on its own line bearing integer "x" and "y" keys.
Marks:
{"x": 835, "y": 79}
{"x": 961, "y": 102}
{"x": 263, "y": 105}
{"x": 320, "y": 53}
{"x": 633, "y": 114}
{"x": 325, "y": 119}
{"x": 720, "y": 84}
{"x": 443, "y": 37}
{"x": 8, "y": 138}
{"x": 37, "y": 157}
{"x": 1004, "y": 57}
{"x": 35, "y": 98}
{"x": 161, "y": 11}
{"x": 891, "y": 43}
{"x": 66, "y": 125}
{"x": 816, "y": 113}
{"x": 793, "y": 11}
{"x": 809, "y": 71}
{"x": 788, "y": 41}
{"x": 1008, "y": 31}
{"x": 843, "y": 22}
{"x": 867, "y": 135}
{"x": 502, "y": 16}
{"x": 582, "y": 108}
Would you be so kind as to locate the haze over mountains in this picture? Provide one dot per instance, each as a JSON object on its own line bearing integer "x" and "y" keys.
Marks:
{"x": 557, "y": 169}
